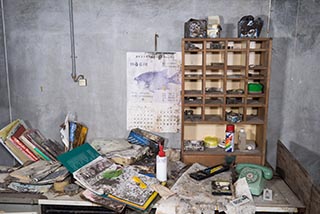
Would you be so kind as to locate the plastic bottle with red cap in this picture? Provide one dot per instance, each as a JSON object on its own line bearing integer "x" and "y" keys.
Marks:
{"x": 229, "y": 140}
{"x": 161, "y": 167}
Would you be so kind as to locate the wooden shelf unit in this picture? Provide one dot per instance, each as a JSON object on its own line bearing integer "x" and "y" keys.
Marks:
{"x": 215, "y": 78}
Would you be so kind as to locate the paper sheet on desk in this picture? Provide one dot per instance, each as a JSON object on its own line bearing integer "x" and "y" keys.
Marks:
{"x": 192, "y": 196}
{"x": 242, "y": 189}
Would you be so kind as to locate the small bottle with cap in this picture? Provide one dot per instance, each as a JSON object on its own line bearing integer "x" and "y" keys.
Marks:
{"x": 161, "y": 166}
{"x": 242, "y": 143}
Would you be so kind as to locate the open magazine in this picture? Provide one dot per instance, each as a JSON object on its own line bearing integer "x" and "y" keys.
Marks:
{"x": 105, "y": 178}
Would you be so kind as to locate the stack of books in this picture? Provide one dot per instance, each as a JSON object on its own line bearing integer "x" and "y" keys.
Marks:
{"x": 28, "y": 145}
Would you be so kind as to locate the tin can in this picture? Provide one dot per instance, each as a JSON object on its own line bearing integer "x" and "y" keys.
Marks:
{"x": 229, "y": 140}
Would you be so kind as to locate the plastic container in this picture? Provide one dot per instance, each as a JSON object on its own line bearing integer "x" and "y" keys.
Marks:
{"x": 242, "y": 141}
{"x": 229, "y": 140}
{"x": 161, "y": 166}
{"x": 211, "y": 142}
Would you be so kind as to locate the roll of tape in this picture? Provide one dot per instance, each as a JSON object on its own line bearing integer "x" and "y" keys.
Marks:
{"x": 71, "y": 189}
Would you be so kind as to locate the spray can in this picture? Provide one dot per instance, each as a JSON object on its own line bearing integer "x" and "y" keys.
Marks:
{"x": 161, "y": 167}
{"x": 229, "y": 140}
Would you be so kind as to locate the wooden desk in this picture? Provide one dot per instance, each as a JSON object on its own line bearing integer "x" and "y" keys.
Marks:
{"x": 284, "y": 200}
{"x": 195, "y": 197}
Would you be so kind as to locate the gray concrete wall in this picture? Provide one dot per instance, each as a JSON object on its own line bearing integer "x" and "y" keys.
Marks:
{"x": 300, "y": 111}
{"x": 6, "y": 158}
{"x": 39, "y": 54}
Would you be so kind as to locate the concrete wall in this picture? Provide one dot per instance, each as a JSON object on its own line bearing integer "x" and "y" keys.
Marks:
{"x": 297, "y": 24}
{"x": 6, "y": 158}
{"x": 39, "y": 54}
{"x": 42, "y": 90}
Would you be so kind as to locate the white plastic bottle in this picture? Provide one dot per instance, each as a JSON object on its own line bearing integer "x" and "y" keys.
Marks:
{"x": 161, "y": 167}
{"x": 242, "y": 143}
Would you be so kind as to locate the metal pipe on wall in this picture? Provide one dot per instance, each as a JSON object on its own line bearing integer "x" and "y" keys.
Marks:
{"x": 73, "y": 50}
{"x": 6, "y": 59}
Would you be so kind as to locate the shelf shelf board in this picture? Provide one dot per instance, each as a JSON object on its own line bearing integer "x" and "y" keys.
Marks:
{"x": 209, "y": 50}
{"x": 192, "y": 67}
{"x": 254, "y": 120}
{"x": 214, "y": 76}
{"x": 235, "y": 105}
{"x": 193, "y": 93}
{"x": 256, "y": 95}
{"x": 236, "y": 67}
{"x": 258, "y": 105}
{"x": 258, "y": 67}
{"x": 192, "y": 77}
{"x": 236, "y": 77}
{"x": 200, "y": 121}
{"x": 236, "y": 50}
{"x": 213, "y": 102}
{"x": 214, "y": 67}
{"x": 257, "y": 50}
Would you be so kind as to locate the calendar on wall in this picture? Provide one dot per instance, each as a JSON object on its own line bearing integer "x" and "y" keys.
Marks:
{"x": 153, "y": 91}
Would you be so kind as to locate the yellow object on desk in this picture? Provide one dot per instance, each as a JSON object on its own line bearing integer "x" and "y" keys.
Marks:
{"x": 211, "y": 142}
{"x": 139, "y": 182}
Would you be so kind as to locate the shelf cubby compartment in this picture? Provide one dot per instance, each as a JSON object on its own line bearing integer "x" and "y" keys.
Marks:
{"x": 257, "y": 73}
{"x": 214, "y": 87}
{"x": 215, "y": 46}
{"x": 237, "y": 45}
{"x": 214, "y": 73}
{"x": 193, "y": 46}
{"x": 234, "y": 114}
{"x": 214, "y": 101}
{"x": 215, "y": 59}
{"x": 192, "y": 101}
{"x": 192, "y": 114}
{"x": 193, "y": 59}
{"x": 255, "y": 115}
{"x": 237, "y": 73}
{"x": 193, "y": 87}
{"x": 235, "y": 86}
{"x": 235, "y": 101}
{"x": 256, "y": 101}
{"x": 198, "y": 131}
{"x": 193, "y": 72}
{"x": 213, "y": 114}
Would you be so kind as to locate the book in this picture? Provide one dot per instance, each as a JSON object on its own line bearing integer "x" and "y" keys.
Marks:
{"x": 105, "y": 178}
{"x": 55, "y": 148}
{"x": 14, "y": 135}
{"x": 21, "y": 157}
{"x": 35, "y": 147}
{"x": 103, "y": 201}
{"x": 11, "y": 152}
{"x": 35, "y": 172}
{"x": 6, "y": 130}
{"x": 36, "y": 138}
{"x": 23, "y": 148}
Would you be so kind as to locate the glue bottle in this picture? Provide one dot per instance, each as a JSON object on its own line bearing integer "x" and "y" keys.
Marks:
{"x": 229, "y": 140}
{"x": 161, "y": 167}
